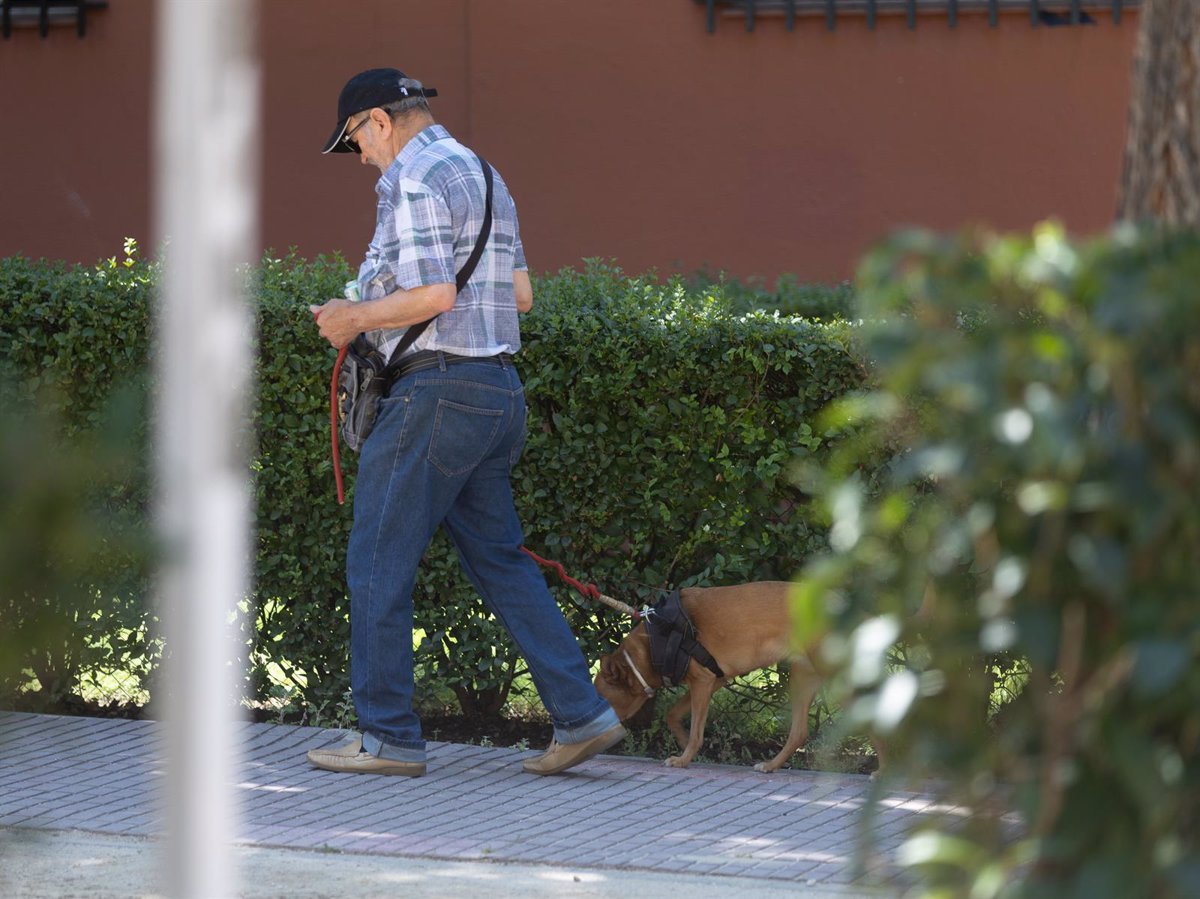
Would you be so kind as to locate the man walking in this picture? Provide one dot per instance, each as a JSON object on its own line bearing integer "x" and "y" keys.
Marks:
{"x": 447, "y": 434}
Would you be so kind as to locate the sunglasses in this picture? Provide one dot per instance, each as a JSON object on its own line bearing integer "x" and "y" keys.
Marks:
{"x": 353, "y": 144}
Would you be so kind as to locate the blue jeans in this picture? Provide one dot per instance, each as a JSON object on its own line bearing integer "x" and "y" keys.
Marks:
{"x": 441, "y": 452}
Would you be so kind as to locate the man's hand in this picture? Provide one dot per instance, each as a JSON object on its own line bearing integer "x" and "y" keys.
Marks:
{"x": 337, "y": 321}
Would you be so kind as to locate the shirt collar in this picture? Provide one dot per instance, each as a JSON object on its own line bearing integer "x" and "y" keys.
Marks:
{"x": 409, "y": 151}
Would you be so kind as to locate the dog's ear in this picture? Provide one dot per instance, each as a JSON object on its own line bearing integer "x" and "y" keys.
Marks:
{"x": 613, "y": 671}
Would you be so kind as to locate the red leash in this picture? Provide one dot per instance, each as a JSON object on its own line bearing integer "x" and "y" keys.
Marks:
{"x": 333, "y": 423}
{"x": 591, "y": 591}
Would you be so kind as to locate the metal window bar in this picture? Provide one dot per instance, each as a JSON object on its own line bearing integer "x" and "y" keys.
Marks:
{"x": 42, "y": 14}
{"x": 1041, "y": 12}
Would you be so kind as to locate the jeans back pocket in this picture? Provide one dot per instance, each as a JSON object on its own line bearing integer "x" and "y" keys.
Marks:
{"x": 462, "y": 436}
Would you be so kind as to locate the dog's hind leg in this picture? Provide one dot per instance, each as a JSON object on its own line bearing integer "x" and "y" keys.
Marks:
{"x": 700, "y": 690}
{"x": 681, "y": 709}
{"x": 804, "y": 682}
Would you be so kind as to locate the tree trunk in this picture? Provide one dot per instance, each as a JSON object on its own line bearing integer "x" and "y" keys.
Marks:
{"x": 1161, "y": 179}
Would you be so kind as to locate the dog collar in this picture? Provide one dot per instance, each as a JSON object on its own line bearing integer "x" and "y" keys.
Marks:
{"x": 641, "y": 680}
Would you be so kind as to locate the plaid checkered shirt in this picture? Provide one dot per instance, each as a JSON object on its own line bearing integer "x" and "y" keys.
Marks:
{"x": 430, "y": 213}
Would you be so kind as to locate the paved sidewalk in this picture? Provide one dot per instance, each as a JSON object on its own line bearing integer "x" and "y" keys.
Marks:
{"x": 476, "y": 804}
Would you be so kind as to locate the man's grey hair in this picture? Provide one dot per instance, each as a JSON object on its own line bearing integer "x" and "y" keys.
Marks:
{"x": 415, "y": 103}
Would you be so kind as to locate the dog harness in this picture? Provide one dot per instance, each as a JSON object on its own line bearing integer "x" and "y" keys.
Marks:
{"x": 673, "y": 641}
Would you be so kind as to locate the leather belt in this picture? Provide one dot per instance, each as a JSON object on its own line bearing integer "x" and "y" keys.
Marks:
{"x": 423, "y": 359}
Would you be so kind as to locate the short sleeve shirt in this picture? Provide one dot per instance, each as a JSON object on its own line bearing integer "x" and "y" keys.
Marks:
{"x": 431, "y": 207}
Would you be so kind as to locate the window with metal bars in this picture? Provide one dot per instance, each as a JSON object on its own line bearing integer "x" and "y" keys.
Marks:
{"x": 1040, "y": 12}
{"x": 42, "y": 14}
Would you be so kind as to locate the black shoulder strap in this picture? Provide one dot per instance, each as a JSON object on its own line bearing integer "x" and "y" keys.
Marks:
{"x": 485, "y": 231}
{"x": 464, "y": 274}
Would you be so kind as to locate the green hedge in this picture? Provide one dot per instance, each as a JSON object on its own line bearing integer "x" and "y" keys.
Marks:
{"x": 663, "y": 421}
{"x": 73, "y": 487}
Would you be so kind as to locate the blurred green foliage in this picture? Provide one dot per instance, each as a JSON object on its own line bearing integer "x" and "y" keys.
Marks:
{"x": 1038, "y": 402}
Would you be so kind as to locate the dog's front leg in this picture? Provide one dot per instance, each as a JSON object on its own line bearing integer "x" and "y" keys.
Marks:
{"x": 675, "y": 716}
{"x": 700, "y": 688}
{"x": 680, "y": 710}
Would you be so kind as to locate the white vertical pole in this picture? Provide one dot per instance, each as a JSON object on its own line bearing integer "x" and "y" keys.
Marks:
{"x": 206, "y": 195}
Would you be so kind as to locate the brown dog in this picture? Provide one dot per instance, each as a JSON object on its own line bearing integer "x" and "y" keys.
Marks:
{"x": 744, "y": 628}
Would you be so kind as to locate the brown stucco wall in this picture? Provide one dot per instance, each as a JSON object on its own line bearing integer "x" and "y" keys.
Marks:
{"x": 75, "y": 126}
{"x": 624, "y": 129}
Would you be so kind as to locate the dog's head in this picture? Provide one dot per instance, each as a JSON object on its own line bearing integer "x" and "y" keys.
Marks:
{"x": 616, "y": 681}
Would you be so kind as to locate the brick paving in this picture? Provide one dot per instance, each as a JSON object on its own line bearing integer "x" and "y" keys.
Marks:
{"x": 103, "y": 775}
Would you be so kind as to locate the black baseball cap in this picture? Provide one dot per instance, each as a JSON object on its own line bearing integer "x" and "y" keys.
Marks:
{"x": 367, "y": 90}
